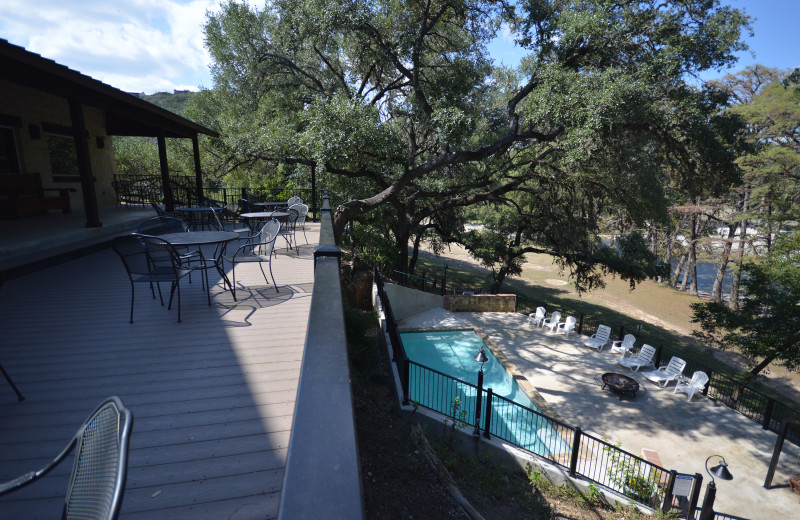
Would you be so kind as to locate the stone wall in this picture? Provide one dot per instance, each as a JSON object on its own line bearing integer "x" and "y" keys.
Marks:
{"x": 481, "y": 302}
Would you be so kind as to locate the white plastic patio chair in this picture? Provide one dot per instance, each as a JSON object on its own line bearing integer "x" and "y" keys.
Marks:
{"x": 666, "y": 374}
{"x": 623, "y": 346}
{"x": 566, "y": 327}
{"x": 552, "y": 321}
{"x": 642, "y": 359}
{"x": 599, "y": 339}
{"x": 537, "y": 317}
{"x": 697, "y": 383}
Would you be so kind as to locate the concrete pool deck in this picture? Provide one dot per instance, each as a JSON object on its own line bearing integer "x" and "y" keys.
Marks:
{"x": 684, "y": 434}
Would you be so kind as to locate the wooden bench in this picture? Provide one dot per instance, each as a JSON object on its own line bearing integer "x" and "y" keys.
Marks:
{"x": 23, "y": 195}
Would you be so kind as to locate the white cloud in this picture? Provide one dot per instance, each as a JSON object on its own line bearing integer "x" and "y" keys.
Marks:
{"x": 134, "y": 45}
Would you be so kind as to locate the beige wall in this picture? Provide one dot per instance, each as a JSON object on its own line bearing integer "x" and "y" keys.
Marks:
{"x": 34, "y": 108}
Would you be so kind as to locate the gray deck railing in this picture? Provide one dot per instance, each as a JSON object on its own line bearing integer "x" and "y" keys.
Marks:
{"x": 322, "y": 477}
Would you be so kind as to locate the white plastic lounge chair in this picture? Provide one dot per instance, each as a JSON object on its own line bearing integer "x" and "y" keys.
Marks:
{"x": 642, "y": 359}
{"x": 664, "y": 375}
{"x": 599, "y": 338}
{"x": 566, "y": 327}
{"x": 537, "y": 317}
{"x": 552, "y": 321}
{"x": 698, "y": 382}
{"x": 624, "y": 346}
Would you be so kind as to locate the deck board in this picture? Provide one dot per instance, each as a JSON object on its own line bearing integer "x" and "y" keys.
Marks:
{"x": 213, "y": 397}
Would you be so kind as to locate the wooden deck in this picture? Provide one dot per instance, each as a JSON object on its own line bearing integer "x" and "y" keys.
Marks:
{"x": 212, "y": 397}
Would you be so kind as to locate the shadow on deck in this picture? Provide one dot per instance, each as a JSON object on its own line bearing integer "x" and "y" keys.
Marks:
{"x": 213, "y": 397}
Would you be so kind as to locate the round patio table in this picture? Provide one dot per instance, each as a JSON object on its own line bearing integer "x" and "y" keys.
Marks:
{"x": 255, "y": 217}
{"x": 205, "y": 238}
{"x": 620, "y": 383}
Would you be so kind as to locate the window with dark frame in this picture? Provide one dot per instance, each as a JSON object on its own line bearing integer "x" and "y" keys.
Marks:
{"x": 63, "y": 155}
{"x": 9, "y": 155}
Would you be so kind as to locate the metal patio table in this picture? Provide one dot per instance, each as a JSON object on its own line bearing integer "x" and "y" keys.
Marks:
{"x": 219, "y": 239}
{"x": 194, "y": 214}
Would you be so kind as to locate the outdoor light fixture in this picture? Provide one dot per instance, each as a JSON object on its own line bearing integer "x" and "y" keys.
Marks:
{"x": 481, "y": 358}
{"x": 720, "y": 471}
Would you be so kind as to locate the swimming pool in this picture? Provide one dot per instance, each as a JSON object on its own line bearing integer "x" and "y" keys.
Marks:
{"x": 452, "y": 353}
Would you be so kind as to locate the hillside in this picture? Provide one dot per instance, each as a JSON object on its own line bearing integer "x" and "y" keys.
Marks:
{"x": 174, "y": 102}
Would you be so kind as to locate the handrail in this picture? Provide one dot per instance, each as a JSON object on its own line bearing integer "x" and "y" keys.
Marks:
{"x": 322, "y": 478}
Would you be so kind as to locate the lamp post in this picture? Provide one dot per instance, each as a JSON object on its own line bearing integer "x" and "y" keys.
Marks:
{"x": 720, "y": 471}
{"x": 481, "y": 358}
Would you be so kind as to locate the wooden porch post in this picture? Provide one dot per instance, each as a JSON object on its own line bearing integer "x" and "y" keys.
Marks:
{"x": 169, "y": 200}
{"x": 84, "y": 164}
{"x": 198, "y": 174}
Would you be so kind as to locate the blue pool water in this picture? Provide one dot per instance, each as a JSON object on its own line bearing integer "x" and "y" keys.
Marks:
{"x": 452, "y": 353}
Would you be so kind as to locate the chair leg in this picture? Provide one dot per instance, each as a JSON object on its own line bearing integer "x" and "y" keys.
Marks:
{"x": 273, "y": 276}
{"x": 20, "y": 397}
{"x": 233, "y": 284}
{"x": 132, "y": 296}
{"x": 208, "y": 286}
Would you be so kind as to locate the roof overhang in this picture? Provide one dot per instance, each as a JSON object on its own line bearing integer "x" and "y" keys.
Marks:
{"x": 126, "y": 114}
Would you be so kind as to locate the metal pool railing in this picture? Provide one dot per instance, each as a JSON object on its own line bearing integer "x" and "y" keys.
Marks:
{"x": 582, "y": 454}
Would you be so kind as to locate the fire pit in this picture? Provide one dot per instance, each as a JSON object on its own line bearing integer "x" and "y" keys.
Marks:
{"x": 620, "y": 383}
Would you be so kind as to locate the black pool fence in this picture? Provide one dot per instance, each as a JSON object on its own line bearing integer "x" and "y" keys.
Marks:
{"x": 753, "y": 404}
{"x": 581, "y": 454}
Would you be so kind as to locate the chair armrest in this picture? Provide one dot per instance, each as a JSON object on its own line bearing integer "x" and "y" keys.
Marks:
{"x": 22, "y": 480}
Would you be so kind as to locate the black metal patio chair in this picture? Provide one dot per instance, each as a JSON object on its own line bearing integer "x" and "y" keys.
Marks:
{"x": 287, "y": 231}
{"x": 302, "y": 212}
{"x": 152, "y": 260}
{"x": 258, "y": 248}
{"x": 97, "y": 482}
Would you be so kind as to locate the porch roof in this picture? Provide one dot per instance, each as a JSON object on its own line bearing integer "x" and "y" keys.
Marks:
{"x": 126, "y": 113}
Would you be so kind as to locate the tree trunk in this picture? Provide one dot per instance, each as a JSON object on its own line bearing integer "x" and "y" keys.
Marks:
{"x": 508, "y": 260}
{"x": 693, "y": 256}
{"x": 678, "y": 270}
{"x": 402, "y": 236}
{"x": 716, "y": 291}
{"x": 737, "y": 392}
{"x": 498, "y": 279}
{"x": 412, "y": 264}
{"x": 737, "y": 275}
{"x": 668, "y": 253}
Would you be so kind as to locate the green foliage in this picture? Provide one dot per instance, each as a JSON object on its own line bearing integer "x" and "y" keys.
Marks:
{"x": 455, "y": 421}
{"x": 766, "y": 326}
{"x": 175, "y": 102}
{"x": 399, "y": 104}
{"x": 629, "y": 476}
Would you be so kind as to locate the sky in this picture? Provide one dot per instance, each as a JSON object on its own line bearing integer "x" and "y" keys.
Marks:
{"x": 157, "y": 45}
